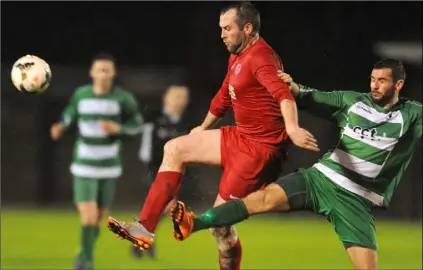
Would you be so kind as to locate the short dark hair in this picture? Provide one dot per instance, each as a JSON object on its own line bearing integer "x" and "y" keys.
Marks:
{"x": 396, "y": 66}
{"x": 104, "y": 56}
{"x": 247, "y": 13}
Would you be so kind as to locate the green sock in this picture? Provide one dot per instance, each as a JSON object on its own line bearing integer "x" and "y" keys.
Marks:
{"x": 226, "y": 214}
{"x": 88, "y": 234}
{"x": 96, "y": 232}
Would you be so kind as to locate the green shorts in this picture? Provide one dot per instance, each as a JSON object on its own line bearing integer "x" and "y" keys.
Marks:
{"x": 350, "y": 214}
{"x": 101, "y": 191}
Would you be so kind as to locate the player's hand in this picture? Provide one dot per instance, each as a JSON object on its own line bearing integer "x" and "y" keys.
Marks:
{"x": 56, "y": 131}
{"x": 197, "y": 129}
{"x": 303, "y": 139}
{"x": 288, "y": 80}
{"x": 110, "y": 127}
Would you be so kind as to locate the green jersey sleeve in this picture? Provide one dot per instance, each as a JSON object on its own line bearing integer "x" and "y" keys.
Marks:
{"x": 131, "y": 118}
{"x": 418, "y": 128}
{"x": 324, "y": 104}
{"x": 70, "y": 113}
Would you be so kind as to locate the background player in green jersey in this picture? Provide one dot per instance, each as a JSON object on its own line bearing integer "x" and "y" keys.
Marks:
{"x": 378, "y": 133}
{"x": 102, "y": 113}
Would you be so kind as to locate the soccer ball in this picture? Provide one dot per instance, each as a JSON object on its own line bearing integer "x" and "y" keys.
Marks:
{"x": 31, "y": 74}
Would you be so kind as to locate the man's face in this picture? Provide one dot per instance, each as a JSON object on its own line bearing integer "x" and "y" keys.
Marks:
{"x": 382, "y": 86}
{"x": 231, "y": 35}
{"x": 176, "y": 99}
{"x": 103, "y": 72}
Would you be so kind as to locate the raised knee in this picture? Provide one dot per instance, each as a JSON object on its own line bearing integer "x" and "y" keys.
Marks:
{"x": 173, "y": 148}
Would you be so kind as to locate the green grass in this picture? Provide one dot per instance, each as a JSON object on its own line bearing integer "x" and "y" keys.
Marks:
{"x": 49, "y": 240}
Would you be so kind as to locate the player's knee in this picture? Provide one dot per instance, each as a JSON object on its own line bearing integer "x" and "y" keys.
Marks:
{"x": 173, "y": 148}
{"x": 267, "y": 200}
{"x": 89, "y": 214}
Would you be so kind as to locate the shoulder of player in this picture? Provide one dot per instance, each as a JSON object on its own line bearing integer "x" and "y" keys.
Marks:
{"x": 414, "y": 107}
{"x": 351, "y": 94}
{"x": 122, "y": 91}
{"x": 83, "y": 89}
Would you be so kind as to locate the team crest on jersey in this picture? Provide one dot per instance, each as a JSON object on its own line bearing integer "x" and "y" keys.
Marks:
{"x": 237, "y": 69}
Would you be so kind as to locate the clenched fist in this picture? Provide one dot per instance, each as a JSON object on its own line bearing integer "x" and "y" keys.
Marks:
{"x": 56, "y": 131}
{"x": 110, "y": 127}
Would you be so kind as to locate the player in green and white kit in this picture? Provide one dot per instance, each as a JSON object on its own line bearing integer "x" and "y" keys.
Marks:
{"x": 102, "y": 113}
{"x": 378, "y": 134}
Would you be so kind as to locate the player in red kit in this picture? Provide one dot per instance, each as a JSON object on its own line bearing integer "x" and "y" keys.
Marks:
{"x": 250, "y": 152}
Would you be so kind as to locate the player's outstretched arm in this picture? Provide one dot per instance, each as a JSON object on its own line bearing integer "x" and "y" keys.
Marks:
{"x": 322, "y": 103}
{"x": 68, "y": 119}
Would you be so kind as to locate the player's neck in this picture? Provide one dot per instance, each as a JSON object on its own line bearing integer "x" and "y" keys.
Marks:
{"x": 391, "y": 103}
{"x": 101, "y": 89}
{"x": 250, "y": 41}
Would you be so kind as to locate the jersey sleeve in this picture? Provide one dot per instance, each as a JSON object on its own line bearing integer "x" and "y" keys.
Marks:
{"x": 69, "y": 116}
{"x": 321, "y": 103}
{"x": 131, "y": 118}
{"x": 264, "y": 66}
{"x": 418, "y": 128}
{"x": 221, "y": 102}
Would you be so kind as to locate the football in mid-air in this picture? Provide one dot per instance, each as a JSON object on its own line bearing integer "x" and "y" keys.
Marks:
{"x": 31, "y": 74}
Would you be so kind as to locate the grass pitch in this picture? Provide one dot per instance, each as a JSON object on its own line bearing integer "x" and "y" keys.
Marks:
{"x": 35, "y": 239}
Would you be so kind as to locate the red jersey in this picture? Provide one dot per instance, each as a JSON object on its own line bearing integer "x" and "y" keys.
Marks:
{"x": 254, "y": 91}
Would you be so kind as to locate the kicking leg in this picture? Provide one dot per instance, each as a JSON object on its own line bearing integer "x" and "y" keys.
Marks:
{"x": 362, "y": 258}
{"x": 272, "y": 198}
{"x": 287, "y": 193}
{"x": 202, "y": 147}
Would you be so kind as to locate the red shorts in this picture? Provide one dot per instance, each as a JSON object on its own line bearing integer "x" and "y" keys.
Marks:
{"x": 247, "y": 165}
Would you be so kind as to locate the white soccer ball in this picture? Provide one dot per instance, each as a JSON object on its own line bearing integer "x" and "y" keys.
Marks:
{"x": 31, "y": 74}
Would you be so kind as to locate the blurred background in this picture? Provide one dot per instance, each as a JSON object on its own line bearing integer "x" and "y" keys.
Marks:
{"x": 327, "y": 45}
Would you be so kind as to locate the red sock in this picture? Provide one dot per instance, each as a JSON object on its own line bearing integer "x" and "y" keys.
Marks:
{"x": 231, "y": 259}
{"x": 162, "y": 191}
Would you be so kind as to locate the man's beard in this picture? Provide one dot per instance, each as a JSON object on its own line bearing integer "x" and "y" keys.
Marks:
{"x": 235, "y": 48}
{"x": 386, "y": 99}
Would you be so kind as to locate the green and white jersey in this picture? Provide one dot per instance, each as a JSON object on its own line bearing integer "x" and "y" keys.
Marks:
{"x": 375, "y": 146}
{"x": 96, "y": 154}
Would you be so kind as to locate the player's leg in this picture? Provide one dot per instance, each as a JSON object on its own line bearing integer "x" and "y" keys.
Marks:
{"x": 228, "y": 243}
{"x": 288, "y": 193}
{"x": 362, "y": 258}
{"x": 201, "y": 147}
{"x": 354, "y": 224}
{"x": 246, "y": 165}
{"x": 85, "y": 197}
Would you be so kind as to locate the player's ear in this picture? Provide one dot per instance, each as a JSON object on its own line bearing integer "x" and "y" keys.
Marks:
{"x": 248, "y": 29}
{"x": 399, "y": 84}
{"x": 91, "y": 73}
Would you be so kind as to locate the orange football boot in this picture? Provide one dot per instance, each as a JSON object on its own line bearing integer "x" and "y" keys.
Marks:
{"x": 183, "y": 221}
{"x": 131, "y": 231}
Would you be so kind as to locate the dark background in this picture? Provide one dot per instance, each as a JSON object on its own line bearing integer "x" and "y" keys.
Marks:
{"x": 325, "y": 45}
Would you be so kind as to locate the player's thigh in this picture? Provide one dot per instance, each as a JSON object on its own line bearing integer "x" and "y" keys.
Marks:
{"x": 353, "y": 220}
{"x": 85, "y": 198}
{"x": 199, "y": 147}
{"x": 295, "y": 187}
{"x": 85, "y": 190}
{"x": 287, "y": 193}
{"x": 246, "y": 171}
{"x": 106, "y": 193}
{"x": 362, "y": 258}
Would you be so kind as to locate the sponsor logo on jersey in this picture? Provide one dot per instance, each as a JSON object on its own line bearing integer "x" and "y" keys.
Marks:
{"x": 237, "y": 69}
{"x": 366, "y": 132}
